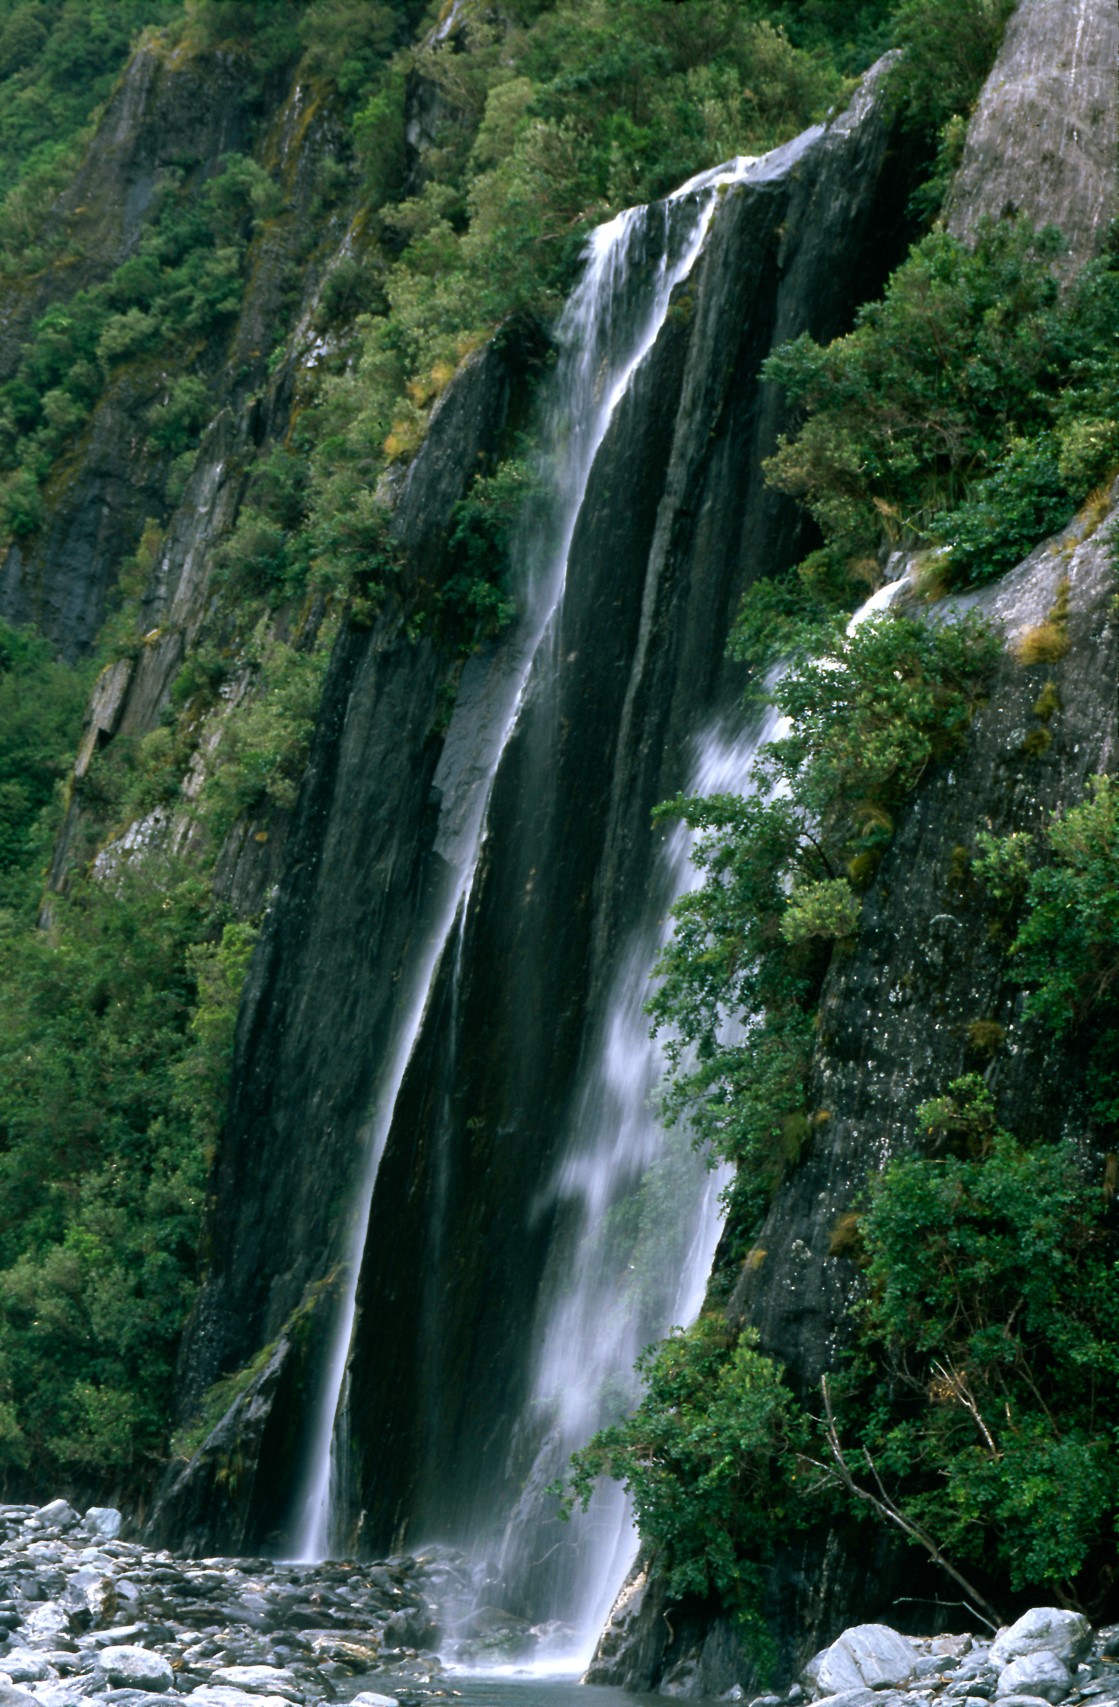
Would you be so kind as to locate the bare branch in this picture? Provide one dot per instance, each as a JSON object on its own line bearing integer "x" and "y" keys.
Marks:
{"x": 961, "y": 1392}
{"x": 885, "y": 1507}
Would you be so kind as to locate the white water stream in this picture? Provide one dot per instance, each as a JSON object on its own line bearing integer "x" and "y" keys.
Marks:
{"x": 634, "y": 263}
{"x": 600, "y": 1310}
{"x": 647, "y": 1223}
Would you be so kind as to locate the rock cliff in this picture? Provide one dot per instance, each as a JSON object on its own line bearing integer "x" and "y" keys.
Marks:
{"x": 653, "y": 582}
{"x": 1042, "y": 140}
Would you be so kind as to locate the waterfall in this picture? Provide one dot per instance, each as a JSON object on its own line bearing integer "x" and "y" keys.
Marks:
{"x": 633, "y": 264}
{"x": 643, "y": 1218}
{"x": 643, "y": 1224}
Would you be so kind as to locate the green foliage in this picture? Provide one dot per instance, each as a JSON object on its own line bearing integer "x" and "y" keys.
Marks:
{"x": 738, "y": 1088}
{"x": 267, "y": 35}
{"x": 972, "y": 410}
{"x": 114, "y": 1055}
{"x": 750, "y": 944}
{"x": 1066, "y": 950}
{"x": 1009, "y": 511}
{"x": 264, "y": 558}
{"x": 41, "y": 706}
{"x": 477, "y": 597}
{"x": 264, "y": 749}
{"x": 930, "y": 388}
{"x": 892, "y": 698}
{"x": 710, "y": 1458}
{"x": 828, "y": 908}
{"x": 184, "y": 281}
{"x": 59, "y": 60}
{"x": 948, "y": 47}
{"x": 852, "y": 34}
{"x": 253, "y": 560}
{"x": 346, "y": 42}
{"x": 980, "y": 1399}
{"x": 174, "y": 422}
{"x": 990, "y": 1346}
{"x": 201, "y": 1073}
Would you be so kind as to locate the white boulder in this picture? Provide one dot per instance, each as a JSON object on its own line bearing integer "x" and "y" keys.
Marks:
{"x": 1044, "y": 1629}
{"x": 867, "y": 1656}
{"x": 131, "y": 1667}
{"x": 104, "y": 1521}
{"x": 22, "y": 1665}
{"x": 258, "y": 1680}
{"x": 1043, "y": 1674}
{"x": 58, "y": 1515}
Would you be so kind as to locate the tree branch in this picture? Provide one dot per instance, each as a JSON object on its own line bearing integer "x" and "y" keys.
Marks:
{"x": 885, "y": 1507}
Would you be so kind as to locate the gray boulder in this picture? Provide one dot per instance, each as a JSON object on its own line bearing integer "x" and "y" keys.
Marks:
{"x": 22, "y": 1665}
{"x": 58, "y": 1515}
{"x": 104, "y": 1521}
{"x": 1044, "y": 1629}
{"x": 46, "y": 1623}
{"x": 258, "y": 1680}
{"x": 131, "y": 1667}
{"x": 1043, "y": 1674}
{"x": 850, "y": 1698}
{"x": 10, "y": 1696}
{"x": 867, "y": 1656}
{"x": 221, "y": 1695}
{"x": 58, "y": 1694}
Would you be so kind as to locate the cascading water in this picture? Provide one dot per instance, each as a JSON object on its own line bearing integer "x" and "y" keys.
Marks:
{"x": 643, "y": 1222}
{"x": 642, "y": 1211}
{"x": 634, "y": 263}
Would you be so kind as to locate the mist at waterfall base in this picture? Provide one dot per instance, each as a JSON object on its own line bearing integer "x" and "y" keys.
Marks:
{"x": 506, "y": 1689}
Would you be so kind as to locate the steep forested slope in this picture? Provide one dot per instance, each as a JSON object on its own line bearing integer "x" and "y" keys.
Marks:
{"x": 280, "y": 293}
{"x": 244, "y": 251}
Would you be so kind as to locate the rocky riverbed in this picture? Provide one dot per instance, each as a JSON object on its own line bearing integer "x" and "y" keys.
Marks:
{"x": 1048, "y": 1656}
{"x": 87, "y": 1618}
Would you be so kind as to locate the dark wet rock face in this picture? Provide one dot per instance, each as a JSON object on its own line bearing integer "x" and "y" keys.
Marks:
{"x": 357, "y": 886}
{"x": 895, "y": 1015}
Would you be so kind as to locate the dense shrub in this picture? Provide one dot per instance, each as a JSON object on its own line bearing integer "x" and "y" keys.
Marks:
{"x": 41, "y": 705}
{"x": 969, "y": 413}
{"x": 709, "y": 1457}
{"x": 1065, "y": 895}
{"x": 114, "y": 1055}
{"x": 739, "y": 979}
{"x": 990, "y": 1351}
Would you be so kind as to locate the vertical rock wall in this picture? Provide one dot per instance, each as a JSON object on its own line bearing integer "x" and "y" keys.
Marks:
{"x": 1042, "y": 141}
